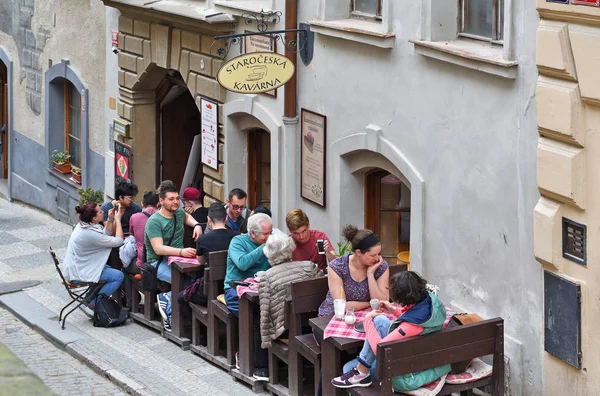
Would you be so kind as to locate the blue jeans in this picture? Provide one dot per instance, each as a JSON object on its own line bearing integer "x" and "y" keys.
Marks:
{"x": 164, "y": 271}
{"x": 233, "y": 302}
{"x": 113, "y": 279}
{"x": 367, "y": 357}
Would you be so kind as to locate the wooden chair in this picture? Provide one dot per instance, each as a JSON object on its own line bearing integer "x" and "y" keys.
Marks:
{"x": 77, "y": 291}
{"x": 445, "y": 347}
{"x": 218, "y": 315}
{"x": 147, "y": 315}
{"x": 211, "y": 289}
{"x": 306, "y": 297}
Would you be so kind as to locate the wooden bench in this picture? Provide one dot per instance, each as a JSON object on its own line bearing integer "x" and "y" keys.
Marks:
{"x": 306, "y": 297}
{"x": 448, "y": 346}
{"x": 217, "y": 314}
{"x": 148, "y": 315}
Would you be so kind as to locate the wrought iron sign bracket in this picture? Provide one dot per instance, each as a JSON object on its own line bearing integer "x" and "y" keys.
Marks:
{"x": 303, "y": 44}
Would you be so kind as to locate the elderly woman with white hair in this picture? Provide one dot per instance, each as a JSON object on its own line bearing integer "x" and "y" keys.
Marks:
{"x": 275, "y": 283}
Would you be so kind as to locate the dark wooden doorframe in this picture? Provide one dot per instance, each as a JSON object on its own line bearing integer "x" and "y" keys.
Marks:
{"x": 256, "y": 153}
{"x": 4, "y": 121}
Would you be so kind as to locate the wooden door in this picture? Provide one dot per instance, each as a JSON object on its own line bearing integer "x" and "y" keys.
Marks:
{"x": 259, "y": 168}
{"x": 4, "y": 119}
{"x": 385, "y": 213}
{"x": 180, "y": 122}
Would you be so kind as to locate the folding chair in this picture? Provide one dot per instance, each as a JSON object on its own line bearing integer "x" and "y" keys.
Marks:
{"x": 77, "y": 291}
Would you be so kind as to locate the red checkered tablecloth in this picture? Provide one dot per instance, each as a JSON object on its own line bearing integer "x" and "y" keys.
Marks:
{"x": 180, "y": 259}
{"x": 339, "y": 328}
{"x": 253, "y": 287}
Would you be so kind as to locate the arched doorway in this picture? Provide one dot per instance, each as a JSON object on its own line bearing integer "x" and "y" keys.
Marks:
{"x": 4, "y": 120}
{"x": 387, "y": 212}
{"x": 259, "y": 168}
{"x": 179, "y": 124}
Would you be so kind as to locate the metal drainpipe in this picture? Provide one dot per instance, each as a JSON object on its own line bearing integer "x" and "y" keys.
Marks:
{"x": 291, "y": 87}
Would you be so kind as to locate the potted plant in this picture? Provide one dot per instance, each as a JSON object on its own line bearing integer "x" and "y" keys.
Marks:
{"x": 61, "y": 161}
{"x": 76, "y": 173}
{"x": 89, "y": 195}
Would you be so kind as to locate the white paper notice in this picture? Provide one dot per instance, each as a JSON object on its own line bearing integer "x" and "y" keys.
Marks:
{"x": 210, "y": 144}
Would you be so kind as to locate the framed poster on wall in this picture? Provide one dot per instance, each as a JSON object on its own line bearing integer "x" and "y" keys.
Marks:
{"x": 313, "y": 143}
{"x": 210, "y": 134}
{"x": 593, "y": 3}
{"x": 122, "y": 163}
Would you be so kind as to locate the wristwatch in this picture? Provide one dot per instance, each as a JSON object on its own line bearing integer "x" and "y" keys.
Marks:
{"x": 197, "y": 224}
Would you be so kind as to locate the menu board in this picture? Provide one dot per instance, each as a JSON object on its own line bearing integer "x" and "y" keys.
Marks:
{"x": 122, "y": 163}
{"x": 313, "y": 145}
{"x": 210, "y": 144}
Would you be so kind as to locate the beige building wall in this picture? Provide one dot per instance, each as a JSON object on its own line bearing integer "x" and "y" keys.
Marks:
{"x": 568, "y": 111}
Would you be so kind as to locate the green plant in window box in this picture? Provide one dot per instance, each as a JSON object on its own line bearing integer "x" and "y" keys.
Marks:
{"x": 89, "y": 195}
{"x": 76, "y": 173}
{"x": 61, "y": 161}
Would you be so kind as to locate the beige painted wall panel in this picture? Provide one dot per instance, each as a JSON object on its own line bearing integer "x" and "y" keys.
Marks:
{"x": 558, "y": 110}
{"x": 553, "y": 55}
{"x": 547, "y": 222}
{"x": 561, "y": 172}
{"x": 585, "y": 41}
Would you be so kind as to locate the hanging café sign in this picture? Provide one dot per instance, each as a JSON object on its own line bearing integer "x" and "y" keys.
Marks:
{"x": 256, "y": 72}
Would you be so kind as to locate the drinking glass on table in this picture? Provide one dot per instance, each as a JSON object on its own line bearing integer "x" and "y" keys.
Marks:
{"x": 339, "y": 307}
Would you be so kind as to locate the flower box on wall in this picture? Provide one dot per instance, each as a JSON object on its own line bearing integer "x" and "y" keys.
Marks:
{"x": 63, "y": 168}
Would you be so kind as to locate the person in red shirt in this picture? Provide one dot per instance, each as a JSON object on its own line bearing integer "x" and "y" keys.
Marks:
{"x": 306, "y": 240}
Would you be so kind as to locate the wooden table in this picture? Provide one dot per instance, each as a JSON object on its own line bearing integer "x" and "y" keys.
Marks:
{"x": 331, "y": 354}
{"x": 178, "y": 272}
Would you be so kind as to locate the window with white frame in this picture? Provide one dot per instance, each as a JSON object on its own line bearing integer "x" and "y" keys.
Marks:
{"x": 370, "y": 9}
{"x": 482, "y": 19}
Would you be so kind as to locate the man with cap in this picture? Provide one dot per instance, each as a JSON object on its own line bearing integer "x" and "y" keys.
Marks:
{"x": 192, "y": 204}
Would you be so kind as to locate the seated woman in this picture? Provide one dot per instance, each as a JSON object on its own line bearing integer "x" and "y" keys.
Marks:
{"x": 275, "y": 285}
{"x": 88, "y": 251}
{"x": 358, "y": 277}
{"x": 418, "y": 313}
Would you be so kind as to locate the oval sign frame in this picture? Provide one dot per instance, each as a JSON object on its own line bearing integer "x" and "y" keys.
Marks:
{"x": 256, "y": 72}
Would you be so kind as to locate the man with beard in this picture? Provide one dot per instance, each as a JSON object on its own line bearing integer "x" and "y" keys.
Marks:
{"x": 164, "y": 237}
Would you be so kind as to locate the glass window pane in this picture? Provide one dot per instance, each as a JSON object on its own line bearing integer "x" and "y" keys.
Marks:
{"x": 478, "y": 16}
{"x": 366, "y": 6}
{"x": 75, "y": 151}
{"x": 75, "y": 122}
{"x": 74, "y": 97}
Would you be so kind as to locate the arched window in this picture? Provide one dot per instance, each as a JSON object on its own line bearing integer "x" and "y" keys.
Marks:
{"x": 72, "y": 111}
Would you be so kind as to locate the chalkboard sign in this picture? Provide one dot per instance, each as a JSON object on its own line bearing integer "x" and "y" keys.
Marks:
{"x": 122, "y": 163}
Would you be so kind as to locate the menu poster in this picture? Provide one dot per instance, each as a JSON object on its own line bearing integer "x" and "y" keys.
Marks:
{"x": 593, "y": 3}
{"x": 260, "y": 43}
{"x": 122, "y": 163}
{"x": 210, "y": 144}
{"x": 313, "y": 144}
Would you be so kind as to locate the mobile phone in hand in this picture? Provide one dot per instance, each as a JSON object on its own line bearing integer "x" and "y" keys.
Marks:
{"x": 320, "y": 246}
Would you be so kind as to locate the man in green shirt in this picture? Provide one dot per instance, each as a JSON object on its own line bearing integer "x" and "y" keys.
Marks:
{"x": 163, "y": 237}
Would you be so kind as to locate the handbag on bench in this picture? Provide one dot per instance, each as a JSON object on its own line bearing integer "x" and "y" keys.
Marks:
{"x": 460, "y": 320}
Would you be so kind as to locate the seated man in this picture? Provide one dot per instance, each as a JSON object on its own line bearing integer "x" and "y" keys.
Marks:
{"x": 236, "y": 211}
{"x": 219, "y": 239}
{"x": 124, "y": 198}
{"x": 164, "y": 237}
{"x": 192, "y": 205}
{"x": 418, "y": 312}
{"x": 137, "y": 225}
{"x": 306, "y": 240}
{"x": 244, "y": 259}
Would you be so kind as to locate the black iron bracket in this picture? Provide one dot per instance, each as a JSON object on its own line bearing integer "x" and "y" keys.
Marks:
{"x": 303, "y": 44}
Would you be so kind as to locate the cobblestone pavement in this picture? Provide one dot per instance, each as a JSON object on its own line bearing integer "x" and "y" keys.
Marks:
{"x": 143, "y": 355}
{"x": 63, "y": 374}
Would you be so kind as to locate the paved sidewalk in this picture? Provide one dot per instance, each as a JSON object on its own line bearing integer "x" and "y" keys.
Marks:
{"x": 60, "y": 372}
{"x": 16, "y": 378}
{"x": 137, "y": 359}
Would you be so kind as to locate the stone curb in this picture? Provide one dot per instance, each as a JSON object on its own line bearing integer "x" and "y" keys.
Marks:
{"x": 72, "y": 341}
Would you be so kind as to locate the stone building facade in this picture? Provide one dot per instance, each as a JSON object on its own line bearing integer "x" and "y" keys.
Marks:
{"x": 566, "y": 217}
{"x": 41, "y": 64}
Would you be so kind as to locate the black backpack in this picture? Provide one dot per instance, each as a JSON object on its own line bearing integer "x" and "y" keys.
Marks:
{"x": 108, "y": 313}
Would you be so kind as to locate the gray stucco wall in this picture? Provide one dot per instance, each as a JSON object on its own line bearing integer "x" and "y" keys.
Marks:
{"x": 472, "y": 137}
{"x": 34, "y": 182}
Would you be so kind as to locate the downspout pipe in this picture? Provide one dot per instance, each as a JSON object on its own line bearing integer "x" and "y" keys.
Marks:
{"x": 290, "y": 99}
